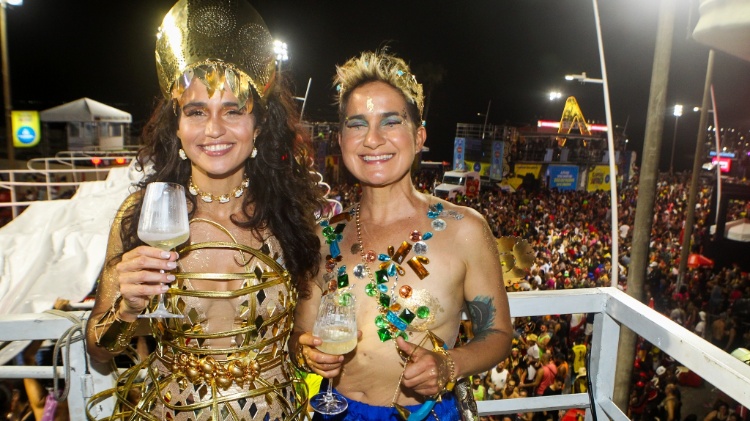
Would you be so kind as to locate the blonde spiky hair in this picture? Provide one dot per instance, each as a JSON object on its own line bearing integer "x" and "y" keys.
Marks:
{"x": 379, "y": 66}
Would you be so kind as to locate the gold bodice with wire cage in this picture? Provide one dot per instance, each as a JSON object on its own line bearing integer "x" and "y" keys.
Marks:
{"x": 226, "y": 359}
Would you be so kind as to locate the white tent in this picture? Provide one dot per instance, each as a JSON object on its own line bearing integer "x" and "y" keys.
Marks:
{"x": 90, "y": 124}
{"x": 738, "y": 230}
{"x": 85, "y": 109}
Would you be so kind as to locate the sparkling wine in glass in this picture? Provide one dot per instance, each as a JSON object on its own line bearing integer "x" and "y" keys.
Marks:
{"x": 336, "y": 325}
{"x": 163, "y": 224}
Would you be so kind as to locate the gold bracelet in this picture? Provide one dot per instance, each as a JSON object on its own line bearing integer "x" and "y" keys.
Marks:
{"x": 299, "y": 360}
{"x": 119, "y": 333}
{"x": 451, "y": 366}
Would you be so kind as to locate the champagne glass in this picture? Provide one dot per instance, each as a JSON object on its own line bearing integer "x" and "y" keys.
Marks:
{"x": 163, "y": 224}
{"x": 336, "y": 325}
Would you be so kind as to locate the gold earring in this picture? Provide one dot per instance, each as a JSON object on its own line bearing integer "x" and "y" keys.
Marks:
{"x": 254, "y": 153}
{"x": 183, "y": 155}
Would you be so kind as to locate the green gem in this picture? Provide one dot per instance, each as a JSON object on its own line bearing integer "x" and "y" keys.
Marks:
{"x": 423, "y": 312}
{"x": 403, "y": 335}
{"x": 407, "y": 315}
{"x": 343, "y": 280}
{"x": 345, "y": 299}
{"x": 381, "y": 276}
{"x": 371, "y": 290}
{"x": 384, "y": 334}
{"x": 380, "y": 321}
{"x": 385, "y": 301}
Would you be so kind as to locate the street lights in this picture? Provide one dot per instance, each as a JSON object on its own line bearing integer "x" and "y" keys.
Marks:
{"x": 553, "y": 95}
{"x": 676, "y": 113}
{"x": 583, "y": 78}
{"x": 6, "y": 81}
{"x": 279, "y": 48}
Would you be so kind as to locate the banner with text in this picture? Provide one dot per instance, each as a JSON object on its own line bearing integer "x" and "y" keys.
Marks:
{"x": 598, "y": 178}
{"x": 563, "y": 177}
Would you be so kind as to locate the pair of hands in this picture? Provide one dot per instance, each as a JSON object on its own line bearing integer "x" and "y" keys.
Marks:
{"x": 140, "y": 277}
{"x": 422, "y": 373}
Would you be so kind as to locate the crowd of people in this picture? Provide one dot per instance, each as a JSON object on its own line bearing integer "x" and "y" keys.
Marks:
{"x": 570, "y": 234}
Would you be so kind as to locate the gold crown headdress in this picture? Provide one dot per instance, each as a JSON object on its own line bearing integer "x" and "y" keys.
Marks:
{"x": 371, "y": 66}
{"x": 225, "y": 44}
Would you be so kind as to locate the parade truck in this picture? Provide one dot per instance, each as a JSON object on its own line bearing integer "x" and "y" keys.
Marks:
{"x": 466, "y": 183}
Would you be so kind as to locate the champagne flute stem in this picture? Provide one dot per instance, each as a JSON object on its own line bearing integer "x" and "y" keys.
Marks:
{"x": 329, "y": 395}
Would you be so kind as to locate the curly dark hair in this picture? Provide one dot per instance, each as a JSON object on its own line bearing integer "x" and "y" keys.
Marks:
{"x": 283, "y": 194}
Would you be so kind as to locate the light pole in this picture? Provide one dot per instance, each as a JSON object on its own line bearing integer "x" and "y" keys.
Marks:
{"x": 279, "y": 48}
{"x": 6, "y": 81}
{"x": 676, "y": 113}
{"x": 583, "y": 78}
{"x": 486, "y": 116}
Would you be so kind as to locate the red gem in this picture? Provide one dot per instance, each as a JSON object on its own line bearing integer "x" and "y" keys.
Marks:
{"x": 416, "y": 236}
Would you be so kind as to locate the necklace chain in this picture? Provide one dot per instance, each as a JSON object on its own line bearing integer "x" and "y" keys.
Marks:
{"x": 361, "y": 244}
{"x": 224, "y": 198}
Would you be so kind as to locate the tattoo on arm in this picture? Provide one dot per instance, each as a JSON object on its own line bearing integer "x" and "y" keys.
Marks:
{"x": 482, "y": 312}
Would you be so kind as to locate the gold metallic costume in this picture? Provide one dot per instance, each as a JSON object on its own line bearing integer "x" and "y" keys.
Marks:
{"x": 227, "y": 359}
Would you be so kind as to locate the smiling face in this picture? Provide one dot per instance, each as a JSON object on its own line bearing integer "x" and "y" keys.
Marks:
{"x": 378, "y": 141}
{"x": 216, "y": 134}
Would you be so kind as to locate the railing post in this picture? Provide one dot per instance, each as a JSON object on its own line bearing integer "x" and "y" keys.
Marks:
{"x": 603, "y": 365}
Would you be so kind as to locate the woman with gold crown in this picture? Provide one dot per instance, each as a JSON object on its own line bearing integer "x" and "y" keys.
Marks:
{"x": 412, "y": 263}
{"x": 227, "y": 131}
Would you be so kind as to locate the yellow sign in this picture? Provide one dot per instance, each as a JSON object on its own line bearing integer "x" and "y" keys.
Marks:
{"x": 521, "y": 170}
{"x": 598, "y": 178}
{"x": 483, "y": 168}
{"x": 25, "y": 125}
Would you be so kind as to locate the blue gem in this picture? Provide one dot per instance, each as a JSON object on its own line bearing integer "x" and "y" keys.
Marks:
{"x": 392, "y": 269}
{"x": 342, "y": 270}
{"x": 426, "y": 236}
{"x": 383, "y": 257}
{"x": 396, "y": 321}
{"x": 335, "y": 250}
{"x": 383, "y": 288}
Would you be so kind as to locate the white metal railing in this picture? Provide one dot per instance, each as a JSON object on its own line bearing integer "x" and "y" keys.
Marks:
{"x": 612, "y": 309}
{"x": 68, "y": 169}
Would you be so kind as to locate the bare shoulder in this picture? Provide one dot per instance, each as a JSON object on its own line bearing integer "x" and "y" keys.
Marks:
{"x": 470, "y": 224}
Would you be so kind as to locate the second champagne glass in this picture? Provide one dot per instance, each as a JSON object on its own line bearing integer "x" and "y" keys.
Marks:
{"x": 163, "y": 224}
{"x": 336, "y": 325}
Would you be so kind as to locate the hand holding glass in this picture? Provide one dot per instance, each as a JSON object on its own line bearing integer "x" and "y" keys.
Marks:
{"x": 163, "y": 224}
{"x": 336, "y": 325}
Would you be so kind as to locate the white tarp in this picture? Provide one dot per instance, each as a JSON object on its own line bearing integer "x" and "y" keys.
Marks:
{"x": 55, "y": 249}
{"x": 85, "y": 109}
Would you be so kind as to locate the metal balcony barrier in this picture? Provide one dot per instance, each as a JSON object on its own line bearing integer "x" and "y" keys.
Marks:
{"x": 67, "y": 170}
{"x": 612, "y": 308}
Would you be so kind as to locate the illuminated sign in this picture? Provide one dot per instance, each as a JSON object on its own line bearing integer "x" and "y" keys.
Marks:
{"x": 25, "y": 126}
{"x": 556, "y": 125}
{"x": 724, "y": 163}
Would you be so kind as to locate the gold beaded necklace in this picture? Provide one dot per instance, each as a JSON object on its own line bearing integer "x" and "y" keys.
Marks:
{"x": 224, "y": 198}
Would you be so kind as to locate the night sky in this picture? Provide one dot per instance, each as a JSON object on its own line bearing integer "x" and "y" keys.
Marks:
{"x": 510, "y": 52}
